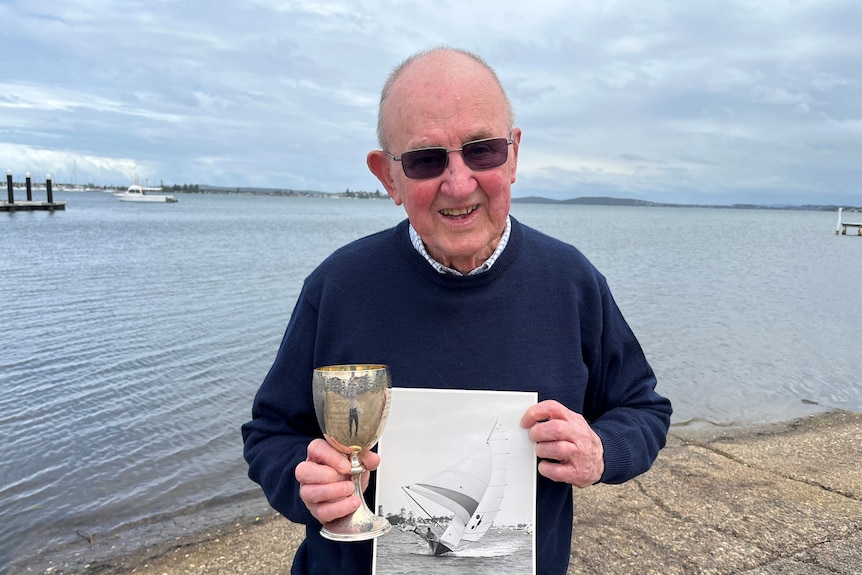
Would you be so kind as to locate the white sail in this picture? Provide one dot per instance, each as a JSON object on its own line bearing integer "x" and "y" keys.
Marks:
{"x": 472, "y": 490}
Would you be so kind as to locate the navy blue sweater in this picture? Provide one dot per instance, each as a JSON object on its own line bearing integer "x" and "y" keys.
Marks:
{"x": 541, "y": 319}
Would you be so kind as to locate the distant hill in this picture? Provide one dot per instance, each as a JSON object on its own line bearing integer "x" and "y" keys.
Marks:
{"x": 534, "y": 200}
{"x": 609, "y": 201}
{"x": 210, "y": 189}
{"x": 591, "y": 201}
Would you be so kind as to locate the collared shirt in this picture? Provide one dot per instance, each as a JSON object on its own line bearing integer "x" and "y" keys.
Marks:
{"x": 420, "y": 247}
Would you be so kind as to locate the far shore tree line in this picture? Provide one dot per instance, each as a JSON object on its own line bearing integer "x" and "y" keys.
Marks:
{"x": 406, "y": 518}
{"x": 204, "y": 189}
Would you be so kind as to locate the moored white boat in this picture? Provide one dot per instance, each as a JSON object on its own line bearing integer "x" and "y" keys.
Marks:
{"x": 138, "y": 193}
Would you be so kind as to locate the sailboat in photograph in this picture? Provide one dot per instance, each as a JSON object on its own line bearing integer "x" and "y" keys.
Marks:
{"x": 471, "y": 490}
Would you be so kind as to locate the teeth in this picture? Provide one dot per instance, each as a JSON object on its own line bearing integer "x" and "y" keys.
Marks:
{"x": 461, "y": 212}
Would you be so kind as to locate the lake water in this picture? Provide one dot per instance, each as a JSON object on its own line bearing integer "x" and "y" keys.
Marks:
{"x": 506, "y": 551}
{"x": 134, "y": 337}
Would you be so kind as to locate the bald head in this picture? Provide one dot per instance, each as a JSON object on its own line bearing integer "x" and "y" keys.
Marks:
{"x": 434, "y": 67}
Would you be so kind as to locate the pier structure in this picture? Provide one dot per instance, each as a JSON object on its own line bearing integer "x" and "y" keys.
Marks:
{"x": 10, "y": 205}
{"x": 843, "y": 226}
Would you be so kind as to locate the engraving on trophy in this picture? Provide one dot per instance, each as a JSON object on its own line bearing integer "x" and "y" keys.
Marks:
{"x": 351, "y": 403}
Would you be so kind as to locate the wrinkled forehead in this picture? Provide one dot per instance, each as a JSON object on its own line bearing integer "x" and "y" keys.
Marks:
{"x": 444, "y": 93}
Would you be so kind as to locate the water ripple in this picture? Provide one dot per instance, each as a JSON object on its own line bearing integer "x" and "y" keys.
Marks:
{"x": 138, "y": 337}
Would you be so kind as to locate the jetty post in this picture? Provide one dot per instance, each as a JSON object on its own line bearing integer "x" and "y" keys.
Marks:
{"x": 29, "y": 205}
{"x": 9, "y": 191}
{"x": 841, "y": 227}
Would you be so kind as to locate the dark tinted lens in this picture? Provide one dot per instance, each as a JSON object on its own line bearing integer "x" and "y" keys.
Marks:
{"x": 486, "y": 154}
{"x": 428, "y": 163}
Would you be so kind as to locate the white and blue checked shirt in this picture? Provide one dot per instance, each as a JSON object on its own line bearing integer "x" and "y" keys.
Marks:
{"x": 420, "y": 247}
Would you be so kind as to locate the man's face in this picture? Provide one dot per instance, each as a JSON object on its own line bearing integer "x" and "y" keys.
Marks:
{"x": 448, "y": 100}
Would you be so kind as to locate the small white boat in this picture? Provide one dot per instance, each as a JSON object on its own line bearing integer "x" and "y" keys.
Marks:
{"x": 138, "y": 193}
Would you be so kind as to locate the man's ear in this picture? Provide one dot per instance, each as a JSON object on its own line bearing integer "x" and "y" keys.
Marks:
{"x": 516, "y": 142}
{"x": 380, "y": 166}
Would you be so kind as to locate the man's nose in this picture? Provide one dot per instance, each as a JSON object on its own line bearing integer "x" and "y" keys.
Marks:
{"x": 458, "y": 180}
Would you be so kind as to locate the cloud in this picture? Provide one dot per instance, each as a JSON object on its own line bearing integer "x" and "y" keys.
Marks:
{"x": 665, "y": 101}
{"x": 38, "y": 163}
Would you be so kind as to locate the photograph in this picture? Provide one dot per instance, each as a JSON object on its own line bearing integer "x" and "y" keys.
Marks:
{"x": 457, "y": 481}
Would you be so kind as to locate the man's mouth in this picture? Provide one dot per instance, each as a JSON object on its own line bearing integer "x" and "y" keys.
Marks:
{"x": 454, "y": 213}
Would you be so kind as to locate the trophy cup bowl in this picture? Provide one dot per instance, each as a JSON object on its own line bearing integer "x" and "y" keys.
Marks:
{"x": 351, "y": 403}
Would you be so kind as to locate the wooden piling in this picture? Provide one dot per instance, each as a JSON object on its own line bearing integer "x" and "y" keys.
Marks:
{"x": 10, "y": 192}
{"x": 29, "y": 205}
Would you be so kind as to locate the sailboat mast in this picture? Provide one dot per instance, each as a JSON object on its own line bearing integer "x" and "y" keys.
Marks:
{"x": 419, "y": 505}
{"x": 488, "y": 439}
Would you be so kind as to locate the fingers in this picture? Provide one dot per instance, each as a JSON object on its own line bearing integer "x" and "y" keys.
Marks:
{"x": 556, "y": 449}
{"x": 552, "y": 421}
{"x": 570, "y": 451}
{"x": 325, "y": 484}
{"x": 321, "y": 452}
{"x": 544, "y": 411}
{"x": 370, "y": 460}
{"x": 562, "y": 472}
{"x": 329, "y": 501}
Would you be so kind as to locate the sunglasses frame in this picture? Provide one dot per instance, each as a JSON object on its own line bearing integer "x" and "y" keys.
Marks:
{"x": 448, "y": 151}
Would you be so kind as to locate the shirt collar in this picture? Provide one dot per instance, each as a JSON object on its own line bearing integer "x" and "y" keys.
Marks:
{"x": 420, "y": 247}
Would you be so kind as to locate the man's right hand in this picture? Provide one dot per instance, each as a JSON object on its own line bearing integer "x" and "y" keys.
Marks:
{"x": 325, "y": 484}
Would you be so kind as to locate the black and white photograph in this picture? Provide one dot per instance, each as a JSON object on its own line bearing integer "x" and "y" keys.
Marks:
{"x": 457, "y": 480}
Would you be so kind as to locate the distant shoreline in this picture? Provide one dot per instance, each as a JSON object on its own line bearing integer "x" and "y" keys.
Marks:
{"x": 378, "y": 195}
{"x": 580, "y": 201}
{"x": 610, "y": 201}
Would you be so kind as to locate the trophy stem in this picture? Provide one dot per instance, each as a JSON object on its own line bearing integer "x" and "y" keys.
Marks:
{"x": 356, "y": 467}
{"x": 363, "y": 524}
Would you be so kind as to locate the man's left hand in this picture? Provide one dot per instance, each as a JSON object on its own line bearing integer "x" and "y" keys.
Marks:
{"x": 569, "y": 450}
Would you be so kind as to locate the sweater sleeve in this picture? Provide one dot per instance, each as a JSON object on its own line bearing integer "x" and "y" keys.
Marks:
{"x": 283, "y": 420}
{"x": 622, "y": 405}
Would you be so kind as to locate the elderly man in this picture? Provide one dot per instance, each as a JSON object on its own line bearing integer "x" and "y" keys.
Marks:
{"x": 458, "y": 295}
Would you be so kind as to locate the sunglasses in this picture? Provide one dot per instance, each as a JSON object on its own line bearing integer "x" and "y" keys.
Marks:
{"x": 427, "y": 163}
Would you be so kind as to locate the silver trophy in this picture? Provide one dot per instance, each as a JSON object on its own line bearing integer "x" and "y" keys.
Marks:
{"x": 352, "y": 404}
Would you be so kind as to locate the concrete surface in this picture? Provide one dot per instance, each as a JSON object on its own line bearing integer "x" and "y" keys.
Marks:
{"x": 782, "y": 499}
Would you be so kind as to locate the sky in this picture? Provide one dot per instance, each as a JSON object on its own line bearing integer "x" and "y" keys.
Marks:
{"x": 704, "y": 102}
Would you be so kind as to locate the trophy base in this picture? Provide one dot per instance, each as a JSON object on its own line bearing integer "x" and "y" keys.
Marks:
{"x": 353, "y": 528}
